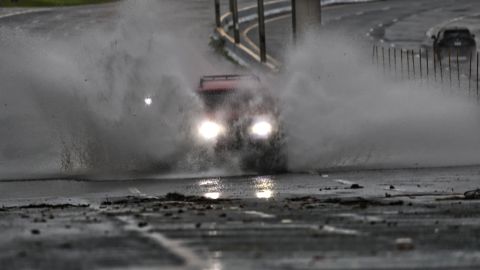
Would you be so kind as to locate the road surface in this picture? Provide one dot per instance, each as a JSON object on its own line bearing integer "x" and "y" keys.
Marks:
{"x": 400, "y": 23}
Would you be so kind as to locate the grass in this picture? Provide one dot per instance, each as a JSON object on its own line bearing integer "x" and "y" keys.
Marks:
{"x": 48, "y": 3}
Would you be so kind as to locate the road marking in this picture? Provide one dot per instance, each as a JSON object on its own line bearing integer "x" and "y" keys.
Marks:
{"x": 259, "y": 214}
{"x": 192, "y": 261}
{"x": 336, "y": 230}
{"x": 254, "y": 46}
{"x": 344, "y": 182}
{"x": 357, "y": 217}
{"x": 22, "y": 13}
{"x": 224, "y": 34}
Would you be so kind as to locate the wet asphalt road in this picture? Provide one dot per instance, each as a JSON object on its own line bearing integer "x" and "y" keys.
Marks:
{"x": 400, "y": 23}
{"x": 398, "y": 219}
{"x": 391, "y": 219}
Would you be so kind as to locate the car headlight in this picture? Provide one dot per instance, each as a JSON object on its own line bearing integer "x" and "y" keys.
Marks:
{"x": 210, "y": 130}
{"x": 261, "y": 129}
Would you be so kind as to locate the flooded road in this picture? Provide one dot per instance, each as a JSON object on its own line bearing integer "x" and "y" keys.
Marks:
{"x": 392, "y": 219}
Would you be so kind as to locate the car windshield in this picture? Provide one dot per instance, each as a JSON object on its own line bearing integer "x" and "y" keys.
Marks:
{"x": 235, "y": 99}
{"x": 451, "y": 34}
{"x": 217, "y": 98}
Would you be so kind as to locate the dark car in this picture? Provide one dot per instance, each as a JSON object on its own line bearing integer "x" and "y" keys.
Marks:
{"x": 453, "y": 41}
{"x": 240, "y": 118}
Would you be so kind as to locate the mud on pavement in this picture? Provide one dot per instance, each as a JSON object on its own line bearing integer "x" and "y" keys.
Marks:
{"x": 189, "y": 232}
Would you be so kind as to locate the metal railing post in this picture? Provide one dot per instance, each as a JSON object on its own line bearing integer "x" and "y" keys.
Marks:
{"x": 408, "y": 64}
{"x": 236, "y": 26}
{"x": 217, "y": 13}
{"x": 383, "y": 59}
{"x": 395, "y": 60}
{"x": 294, "y": 20}
{"x": 470, "y": 72}
{"x": 261, "y": 31}
{"x": 389, "y": 62}
{"x": 450, "y": 66}
{"x": 413, "y": 63}
{"x": 401, "y": 64}
{"x": 441, "y": 68}
{"x": 428, "y": 64}
{"x": 434, "y": 64}
{"x": 458, "y": 69}
{"x": 420, "y": 56}
{"x": 477, "y": 73}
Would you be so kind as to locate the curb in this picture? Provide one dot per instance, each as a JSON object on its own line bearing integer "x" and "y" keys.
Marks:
{"x": 22, "y": 12}
{"x": 240, "y": 53}
{"x": 244, "y": 55}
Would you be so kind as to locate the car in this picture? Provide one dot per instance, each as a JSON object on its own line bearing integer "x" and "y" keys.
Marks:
{"x": 453, "y": 41}
{"x": 240, "y": 118}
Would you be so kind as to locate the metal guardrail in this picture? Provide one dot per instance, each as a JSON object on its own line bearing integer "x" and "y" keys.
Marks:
{"x": 228, "y": 28}
{"x": 451, "y": 72}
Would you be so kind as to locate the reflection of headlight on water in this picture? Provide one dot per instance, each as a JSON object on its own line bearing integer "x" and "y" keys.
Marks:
{"x": 262, "y": 129}
{"x": 210, "y": 130}
{"x": 212, "y": 195}
{"x": 264, "y": 194}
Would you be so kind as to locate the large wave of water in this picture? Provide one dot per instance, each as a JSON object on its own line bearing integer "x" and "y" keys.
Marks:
{"x": 341, "y": 112}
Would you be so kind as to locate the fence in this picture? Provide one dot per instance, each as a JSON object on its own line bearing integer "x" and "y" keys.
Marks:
{"x": 449, "y": 68}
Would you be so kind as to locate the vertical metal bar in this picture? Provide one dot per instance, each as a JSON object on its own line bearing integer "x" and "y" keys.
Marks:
{"x": 427, "y": 59}
{"x": 450, "y": 66}
{"x": 470, "y": 72}
{"x": 434, "y": 64}
{"x": 217, "y": 13}
{"x": 408, "y": 64}
{"x": 439, "y": 55}
{"x": 373, "y": 54}
{"x": 236, "y": 26}
{"x": 389, "y": 62}
{"x": 261, "y": 31}
{"x": 395, "y": 61}
{"x": 376, "y": 52}
{"x": 413, "y": 63}
{"x": 401, "y": 63}
{"x": 458, "y": 69}
{"x": 477, "y": 74}
{"x": 294, "y": 21}
{"x": 383, "y": 59}
{"x": 420, "y": 55}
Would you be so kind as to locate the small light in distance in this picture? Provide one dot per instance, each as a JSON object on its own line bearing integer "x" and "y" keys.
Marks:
{"x": 148, "y": 101}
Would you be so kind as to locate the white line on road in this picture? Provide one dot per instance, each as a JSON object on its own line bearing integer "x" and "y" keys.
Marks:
{"x": 21, "y": 13}
{"x": 336, "y": 230}
{"x": 192, "y": 261}
{"x": 357, "y": 217}
{"x": 344, "y": 182}
{"x": 259, "y": 214}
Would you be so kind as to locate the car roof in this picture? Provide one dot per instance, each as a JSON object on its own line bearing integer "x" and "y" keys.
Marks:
{"x": 225, "y": 82}
{"x": 454, "y": 28}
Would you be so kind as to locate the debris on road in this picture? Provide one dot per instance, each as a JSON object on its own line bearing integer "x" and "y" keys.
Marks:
{"x": 356, "y": 186}
{"x": 472, "y": 195}
{"x": 404, "y": 244}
